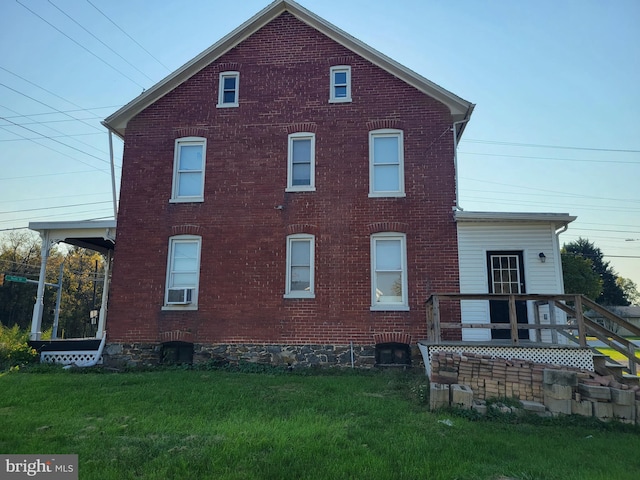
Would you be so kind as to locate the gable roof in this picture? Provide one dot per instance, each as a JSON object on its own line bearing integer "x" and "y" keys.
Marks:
{"x": 117, "y": 122}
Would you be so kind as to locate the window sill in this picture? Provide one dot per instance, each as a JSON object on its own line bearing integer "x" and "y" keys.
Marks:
{"x": 300, "y": 189}
{"x": 340, "y": 100}
{"x": 179, "y": 308}
{"x": 389, "y": 307}
{"x": 387, "y": 195}
{"x": 227, "y": 105}
{"x": 299, "y": 295}
{"x": 187, "y": 200}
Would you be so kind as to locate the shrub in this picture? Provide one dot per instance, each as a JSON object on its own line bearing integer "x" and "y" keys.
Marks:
{"x": 14, "y": 349}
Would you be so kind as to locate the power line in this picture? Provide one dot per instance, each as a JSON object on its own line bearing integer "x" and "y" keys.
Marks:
{"x": 111, "y": 49}
{"x": 566, "y": 194}
{"x": 54, "y": 173}
{"x": 129, "y": 36}
{"x": 48, "y": 106}
{"x": 81, "y": 46}
{"x": 550, "y": 158}
{"x": 535, "y": 145}
{"x": 68, "y": 111}
{"x": 58, "y": 141}
{"x": 52, "y": 136}
{"x": 54, "y": 150}
{"x": 64, "y": 135}
{"x": 53, "y": 208}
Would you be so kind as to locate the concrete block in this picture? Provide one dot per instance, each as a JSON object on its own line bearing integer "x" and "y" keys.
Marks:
{"x": 557, "y": 391}
{"x": 534, "y": 407}
{"x": 438, "y": 396}
{"x": 625, "y": 413}
{"x": 560, "y": 377}
{"x": 557, "y": 406}
{"x": 479, "y": 407}
{"x": 622, "y": 397}
{"x": 595, "y": 392}
{"x": 584, "y": 408}
{"x": 602, "y": 410}
{"x": 461, "y": 396}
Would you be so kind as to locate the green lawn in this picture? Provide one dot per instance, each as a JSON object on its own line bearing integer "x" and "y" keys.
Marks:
{"x": 190, "y": 424}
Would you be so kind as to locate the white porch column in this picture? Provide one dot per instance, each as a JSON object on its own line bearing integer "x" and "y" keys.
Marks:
{"x": 38, "y": 307}
{"x": 102, "y": 318}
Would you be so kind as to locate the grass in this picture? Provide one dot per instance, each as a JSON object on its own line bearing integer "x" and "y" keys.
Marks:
{"x": 176, "y": 424}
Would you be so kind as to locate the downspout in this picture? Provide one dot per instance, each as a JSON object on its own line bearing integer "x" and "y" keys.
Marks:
{"x": 95, "y": 360}
{"x": 564, "y": 228}
{"x": 455, "y": 159}
{"x": 113, "y": 177}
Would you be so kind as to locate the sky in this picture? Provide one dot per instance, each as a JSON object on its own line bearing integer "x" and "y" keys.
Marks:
{"x": 556, "y": 85}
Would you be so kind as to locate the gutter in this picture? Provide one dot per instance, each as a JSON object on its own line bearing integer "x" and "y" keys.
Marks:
{"x": 94, "y": 362}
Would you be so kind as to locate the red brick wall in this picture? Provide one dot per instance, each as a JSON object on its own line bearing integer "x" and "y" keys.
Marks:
{"x": 284, "y": 87}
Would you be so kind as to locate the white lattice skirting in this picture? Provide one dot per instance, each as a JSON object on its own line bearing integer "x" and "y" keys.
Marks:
{"x": 78, "y": 357}
{"x": 569, "y": 357}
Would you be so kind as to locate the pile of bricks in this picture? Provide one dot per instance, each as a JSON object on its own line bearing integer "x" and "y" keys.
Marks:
{"x": 462, "y": 379}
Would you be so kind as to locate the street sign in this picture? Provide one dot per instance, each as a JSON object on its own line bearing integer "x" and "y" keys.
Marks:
{"x": 12, "y": 278}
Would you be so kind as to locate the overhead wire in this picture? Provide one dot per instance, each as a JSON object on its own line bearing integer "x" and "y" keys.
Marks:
{"x": 103, "y": 43}
{"x": 129, "y": 36}
{"x": 81, "y": 46}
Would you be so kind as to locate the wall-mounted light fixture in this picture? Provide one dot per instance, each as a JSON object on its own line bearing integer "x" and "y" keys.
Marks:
{"x": 542, "y": 257}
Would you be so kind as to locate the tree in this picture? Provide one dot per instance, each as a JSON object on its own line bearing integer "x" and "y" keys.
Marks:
{"x": 579, "y": 276}
{"x": 611, "y": 293}
{"x": 630, "y": 290}
{"x": 20, "y": 255}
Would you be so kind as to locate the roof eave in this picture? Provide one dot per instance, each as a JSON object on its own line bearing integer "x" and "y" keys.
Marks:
{"x": 559, "y": 220}
{"x": 117, "y": 122}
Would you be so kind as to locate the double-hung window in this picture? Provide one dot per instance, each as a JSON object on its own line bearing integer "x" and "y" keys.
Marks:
{"x": 300, "y": 266}
{"x": 301, "y": 162}
{"x": 389, "y": 271}
{"x": 188, "y": 170}
{"x": 386, "y": 163}
{"x": 183, "y": 272}
{"x": 228, "y": 89}
{"x": 340, "y": 85}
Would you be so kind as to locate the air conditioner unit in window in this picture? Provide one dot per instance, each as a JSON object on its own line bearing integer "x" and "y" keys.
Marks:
{"x": 179, "y": 296}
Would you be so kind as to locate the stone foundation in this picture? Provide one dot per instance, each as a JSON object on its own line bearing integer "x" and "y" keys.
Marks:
{"x": 144, "y": 354}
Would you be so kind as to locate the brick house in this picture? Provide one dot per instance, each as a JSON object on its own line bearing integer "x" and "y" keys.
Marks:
{"x": 287, "y": 195}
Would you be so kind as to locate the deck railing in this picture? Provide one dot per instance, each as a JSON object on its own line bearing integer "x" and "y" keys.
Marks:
{"x": 576, "y": 327}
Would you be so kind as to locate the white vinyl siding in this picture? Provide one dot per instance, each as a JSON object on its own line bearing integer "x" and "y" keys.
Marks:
{"x": 386, "y": 163}
{"x": 389, "y": 271}
{"x": 476, "y": 239}
{"x": 188, "y": 169}
{"x": 300, "y": 266}
{"x": 340, "y": 84}
{"x": 183, "y": 272}
{"x": 228, "y": 89}
{"x": 301, "y": 162}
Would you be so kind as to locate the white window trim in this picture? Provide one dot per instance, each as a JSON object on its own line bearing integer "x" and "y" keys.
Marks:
{"x": 221, "y": 102}
{"x": 312, "y": 183}
{"x": 387, "y": 132}
{"x": 194, "y": 298}
{"x": 176, "y": 164}
{"x": 332, "y": 84}
{"x": 296, "y": 293}
{"x": 403, "y": 305}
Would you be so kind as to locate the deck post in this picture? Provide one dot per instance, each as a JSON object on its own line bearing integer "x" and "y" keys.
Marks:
{"x": 436, "y": 319}
{"x": 38, "y": 306}
{"x": 513, "y": 319}
{"x": 582, "y": 336}
{"x": 553, "y": 321}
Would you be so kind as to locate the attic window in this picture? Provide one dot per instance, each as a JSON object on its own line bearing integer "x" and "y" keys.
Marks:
{"x": 340, "y": 84}
{"x": 228, "y": 89}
